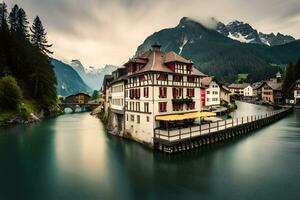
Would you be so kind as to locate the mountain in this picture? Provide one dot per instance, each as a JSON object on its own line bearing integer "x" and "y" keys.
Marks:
{"x": 218, "y": 55}
{"x": 68, "y": 80}
{"x": 244, "y": 32}
{"x": 92, "y": 76}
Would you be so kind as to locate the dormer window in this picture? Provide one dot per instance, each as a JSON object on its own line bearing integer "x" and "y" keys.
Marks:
{"x": 177, "y": 78}
{"x": 191, "y": 79}
{"x": 162, "y": 77}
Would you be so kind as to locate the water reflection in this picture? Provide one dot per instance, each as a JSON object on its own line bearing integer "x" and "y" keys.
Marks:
{"x": 71, "y": 157}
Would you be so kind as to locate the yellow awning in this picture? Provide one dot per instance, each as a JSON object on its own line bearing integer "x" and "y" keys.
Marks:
{"x": 178, "y": 117}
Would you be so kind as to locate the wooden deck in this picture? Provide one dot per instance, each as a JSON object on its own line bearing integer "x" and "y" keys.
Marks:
{"x": 196, "y": 136}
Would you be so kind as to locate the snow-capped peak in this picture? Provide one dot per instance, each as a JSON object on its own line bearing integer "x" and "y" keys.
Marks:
{"x": 243, "y": 32}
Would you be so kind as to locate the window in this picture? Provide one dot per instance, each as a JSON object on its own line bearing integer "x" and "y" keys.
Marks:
{"x": 208, "y": 100}
{"x": 177, "y": 107}
{"x": 191, "y": 79}
{"x": 191, "y": 106}
{"x": 138, "y": 106}
{"x": 190, "y": 92}
{"x": 132, "y": 118}
{"x": 146, "y": 107}
{"x": 162, "y": 77}
{"x": 162, "y": 92}
{"x": 207, "y": 92}
{"x": 177, "y": 92}
{"x": 162, "y": 106}
{"x": 137, "y": 93}
{"x": 148, "y": 118}
{"x": 177, "y": 78}
{"x": 126, "y": 93}
{"x": 138, "y": 119}
{"x": 146, "y": 92}
{"x": 126, "y": 105}
{"x": 131, "y": 93}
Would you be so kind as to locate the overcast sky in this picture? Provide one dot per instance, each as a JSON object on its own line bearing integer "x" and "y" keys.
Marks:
{"x": 99, "y": 32}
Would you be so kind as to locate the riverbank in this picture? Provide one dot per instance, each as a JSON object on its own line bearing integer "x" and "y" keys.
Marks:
{"x": 28, "y": 112}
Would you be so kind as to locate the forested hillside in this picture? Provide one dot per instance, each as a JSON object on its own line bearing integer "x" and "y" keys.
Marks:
{"x": 26, "y": 73}
{"x": 220, "y": 56}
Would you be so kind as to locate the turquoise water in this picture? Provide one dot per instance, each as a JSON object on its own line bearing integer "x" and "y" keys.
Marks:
{"x": 71, "y": 157}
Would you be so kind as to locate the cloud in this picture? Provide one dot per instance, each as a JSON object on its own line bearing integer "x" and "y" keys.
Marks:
{"x": 100, "y": 32}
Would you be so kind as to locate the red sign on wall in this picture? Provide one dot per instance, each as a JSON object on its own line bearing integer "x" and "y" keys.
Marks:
{"x": 203, "y": 97}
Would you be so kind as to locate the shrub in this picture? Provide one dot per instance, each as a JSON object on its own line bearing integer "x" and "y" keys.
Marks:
{"x": 10, "y": 93}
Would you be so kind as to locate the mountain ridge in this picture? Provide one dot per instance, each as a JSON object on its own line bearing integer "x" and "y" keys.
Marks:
{"x": 216, "y": 54}
{"x": 68, "y": 80}
{"x": 93, "y": 77}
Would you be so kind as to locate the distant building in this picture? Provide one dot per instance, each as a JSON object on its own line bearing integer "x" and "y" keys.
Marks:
{"x": 257, "y": 89}
{"x": 238, "y": 89}
{"x": 296, "y": 91}
{"x": 210, "y": 91}
{"x": 79, "y": 98}
{"x": 225, "y": 93}
{"x": 271, "y": 90}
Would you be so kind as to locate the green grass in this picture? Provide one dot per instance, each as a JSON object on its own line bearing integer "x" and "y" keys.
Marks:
{"x": 6, "y": 115}
{"x": 28, "y": 106}
{"x": 241, "y": 78}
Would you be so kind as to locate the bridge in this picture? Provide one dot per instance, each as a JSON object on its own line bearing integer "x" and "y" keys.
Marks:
{"x": 82, "y": 106}
{"x": 183, "y": 139}
{"x": 78, "y": 101}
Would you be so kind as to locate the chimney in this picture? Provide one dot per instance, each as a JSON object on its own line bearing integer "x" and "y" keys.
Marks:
{"x": 156, "y": 47}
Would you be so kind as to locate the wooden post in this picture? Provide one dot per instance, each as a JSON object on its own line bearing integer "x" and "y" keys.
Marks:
{"x": 217, "y": 125}
{"x": 209, "y": 127}
{"x": 225, "y": 123}
{"x": 179, "y": 133}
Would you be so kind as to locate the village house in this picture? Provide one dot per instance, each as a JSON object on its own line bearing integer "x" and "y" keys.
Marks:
{"x": 257, "y": 89}
{"x": 241, "y": 91}
{"x": 156, "y": 86}
{"x": 225, "y": 94}
{"x": 272, "y": 90}
{"x": 210, "y": 92}
{"x": 296, "y": 92}
{"x": 79, "y": 98}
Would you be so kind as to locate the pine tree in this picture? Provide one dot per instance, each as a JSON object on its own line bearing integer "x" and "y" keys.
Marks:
{"x": 38, "y": 37}
{"x": 13, "y": 18}
{"x": 22, "y": 27}
{"x": 3, "y": 17}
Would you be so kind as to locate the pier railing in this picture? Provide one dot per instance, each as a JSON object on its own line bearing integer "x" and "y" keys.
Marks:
{"x": 179, "y": 134}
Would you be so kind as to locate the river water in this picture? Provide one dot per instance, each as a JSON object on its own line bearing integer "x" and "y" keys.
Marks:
{"x": 71, "y": 157}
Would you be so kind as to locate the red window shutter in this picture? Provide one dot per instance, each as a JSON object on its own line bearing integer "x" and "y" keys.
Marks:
{"x": 173, "y": 91}
{"x": 165, "y": 92}
{"x": 160, "y": 93}
{"x": 147, "y": 92}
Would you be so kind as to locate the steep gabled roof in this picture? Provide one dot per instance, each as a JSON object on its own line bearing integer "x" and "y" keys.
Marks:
{"x": 238, "y": 85}
{"x": 155, "y": 60}
{"x": 174, "y": 57}
{"x": 274, "y": 85}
